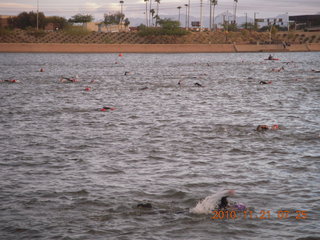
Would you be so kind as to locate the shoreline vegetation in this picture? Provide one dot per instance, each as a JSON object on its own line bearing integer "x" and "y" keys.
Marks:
{"x": 133, "y": 42}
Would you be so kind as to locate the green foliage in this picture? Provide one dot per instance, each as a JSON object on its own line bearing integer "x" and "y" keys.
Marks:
{"x": 80, "y": 18}
{"x": 249, "y": 26}
{"x": 5, "y": 31}
{"x": 230, "y": 27}
{"x": 36, "y": 33}
{"x": 245, "y": 33}
{"x": 25, "y": 20}
{"x": 167, "y": 27}
{"x": 116, "y": 18}
{"x": 61, "y": 22}
{"x": 76, "y": 31}
{"x": 126, "y": 22}
{"x": 272, "y": 28}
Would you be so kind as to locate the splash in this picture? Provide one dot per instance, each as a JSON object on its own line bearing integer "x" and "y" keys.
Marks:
{"x": 211, "y": 202}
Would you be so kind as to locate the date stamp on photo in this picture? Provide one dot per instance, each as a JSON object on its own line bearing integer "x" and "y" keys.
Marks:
{"x": 263, "y": 214}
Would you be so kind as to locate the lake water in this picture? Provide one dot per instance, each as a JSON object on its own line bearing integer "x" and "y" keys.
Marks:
{"x": 71, "y": 171}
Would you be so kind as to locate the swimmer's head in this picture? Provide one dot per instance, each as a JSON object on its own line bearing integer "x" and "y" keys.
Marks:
{"x": 262, "y": 127}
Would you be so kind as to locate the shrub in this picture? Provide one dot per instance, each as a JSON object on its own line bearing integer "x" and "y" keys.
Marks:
{"x": 35, "y": 33}
{"x": 167, "y": 27}
{"x": 76, "y": 31}
{"x": 5, "y": 31}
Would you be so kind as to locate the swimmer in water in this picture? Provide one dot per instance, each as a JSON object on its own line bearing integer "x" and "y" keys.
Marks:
{"x": 180, "y": 82}
{"x": 270, "y": 57}
{"x": 143, "y": 88}
{"x": 265, "y": 82}
{"x": 217, "y": 201}
{"x": 103, "y": 109}
{"x": 277, "y": 69}
{"x": 10, "y": 81}
{"x": 71, "y": 79}
{"x": 261, "y": 128}
{"x": 198, "y": 85}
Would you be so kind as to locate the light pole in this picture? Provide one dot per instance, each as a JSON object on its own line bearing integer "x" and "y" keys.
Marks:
{"x": 186, "y": 24}
{"x": 201, "y": 4}
{"x": 246, "y": 20}
{"x": 146, "y": 1}
{"x": 288, "y": 22}
{"x": 150, "y": 13}
{"x": 210, "y": 16}
{"x": 235, "y": 11}
{"x": 255, "y": 20}
{"x": 179, "y": 14}
{"x": 189, "y": 14}
{"x": 214, "y": 2}
{"x": 37, "y": 15}
{"x": 121, "y": 11}
{"x": 121, "y": 6}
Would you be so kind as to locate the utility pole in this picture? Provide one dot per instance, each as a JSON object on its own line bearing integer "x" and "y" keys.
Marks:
{"x": 37, "y": 15}
{"x": 189, "y": 14}
{"x": 255, "y": 20}
{"x": 288, "y": 22}
{"x": 214, "y": 2}
{"x": 179, "y": 14}
{"x": 210, "y": 17}
{"x": 150, "y": 13}
{"x": 246, "y": 20}
{"x": 121, "y": 7}
{"x": 186, "y": 24}
{"x": 146, "y": 13}
{"x": 201, "y": 5}
{"x": 121, "y": 11}
{"x": 235, "y": 11}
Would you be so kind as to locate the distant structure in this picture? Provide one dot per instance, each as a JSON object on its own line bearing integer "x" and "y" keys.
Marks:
{"x": 309, "y": 23}
{"x": 4, "y": 20}
{"x": 102, "y": 27}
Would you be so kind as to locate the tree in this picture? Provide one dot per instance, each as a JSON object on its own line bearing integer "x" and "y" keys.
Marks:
{"x": 126, "y": 22}
{"x": 230, "y": 26}
{"x": 249, "y": 26}
{"x": 80, "y": 18}
{"x": 25, "y": 20}
{"x": 150, "y": 18}
{"x": 116, "y": 18}
{"x": 157, "y": 15}
{"x": 152, "y": 11}
{"x": 157, "y": 18}
{"x": 61, "y": 22}
{"x": 167, "y": 27}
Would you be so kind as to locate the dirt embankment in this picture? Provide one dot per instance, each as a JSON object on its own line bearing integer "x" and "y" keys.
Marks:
{"x": 243, "y": 37}
{"x": 93, "y": 42}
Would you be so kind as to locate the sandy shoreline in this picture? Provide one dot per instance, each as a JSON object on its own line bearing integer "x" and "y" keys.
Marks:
{"x": 151, "y": 48}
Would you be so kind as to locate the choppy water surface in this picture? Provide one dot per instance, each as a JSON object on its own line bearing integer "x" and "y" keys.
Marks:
{"x": 70, "y": 171}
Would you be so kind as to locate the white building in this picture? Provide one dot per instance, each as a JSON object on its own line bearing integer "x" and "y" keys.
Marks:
{"x": 102, "y": 27}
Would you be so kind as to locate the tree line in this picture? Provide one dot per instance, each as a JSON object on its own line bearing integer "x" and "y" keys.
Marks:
{"x": 32, "y": 19}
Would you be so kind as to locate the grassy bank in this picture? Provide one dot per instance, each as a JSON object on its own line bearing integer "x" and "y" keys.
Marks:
{"x": 80, "y": 36}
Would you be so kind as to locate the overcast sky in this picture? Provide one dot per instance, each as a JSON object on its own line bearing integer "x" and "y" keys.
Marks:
{"x": 136, "y": 8}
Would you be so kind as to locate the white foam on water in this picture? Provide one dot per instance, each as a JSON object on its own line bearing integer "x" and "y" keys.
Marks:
{"x": 207, "y": 205}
